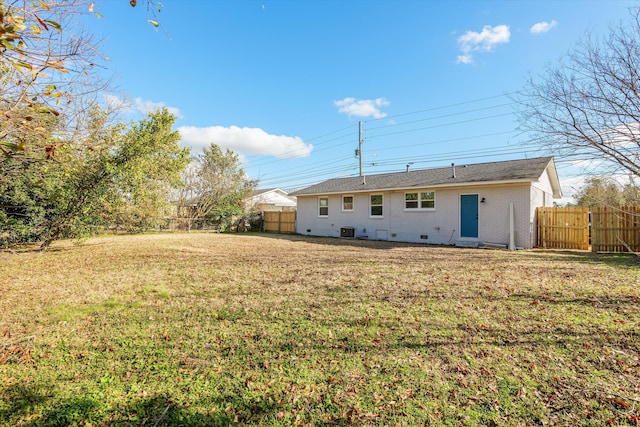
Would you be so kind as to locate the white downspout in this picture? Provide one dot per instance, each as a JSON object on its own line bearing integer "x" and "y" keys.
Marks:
{"x": 512, "y": 237}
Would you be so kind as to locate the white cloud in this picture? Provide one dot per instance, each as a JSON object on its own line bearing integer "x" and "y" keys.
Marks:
{"x": 137, "y": 105}
{"x": 484, "y": 41}
{"x": 464, "y": 59}
{"x": 542, "y": 27}
{"x": 362, "y": 107}
{"x": 115, "y": 102}
{"x": 245, "y": 140}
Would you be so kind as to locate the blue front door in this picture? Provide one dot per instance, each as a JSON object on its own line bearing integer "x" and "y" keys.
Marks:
{"x": 469, "y": 215}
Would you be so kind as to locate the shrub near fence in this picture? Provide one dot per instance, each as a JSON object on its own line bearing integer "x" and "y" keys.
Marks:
{"x": 615, "y": 229}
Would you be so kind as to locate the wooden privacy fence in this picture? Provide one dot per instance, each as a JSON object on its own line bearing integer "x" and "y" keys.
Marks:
{"x": 562, "y": 228}
{"x": 280, "y": 222}
{"x": 606, "y": 229}
{"x": 615, "y": 229}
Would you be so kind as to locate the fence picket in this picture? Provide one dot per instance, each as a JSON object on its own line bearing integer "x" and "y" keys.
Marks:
{"x": 280, "y": 222}
{"x": 612, "y": 229}
{"x": 562, "y": 228}
{"x": 616, "y": 229}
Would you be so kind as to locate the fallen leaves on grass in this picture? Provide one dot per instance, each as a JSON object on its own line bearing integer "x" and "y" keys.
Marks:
{"x": 16, "y": 350}
{"x": 266, "y": 330}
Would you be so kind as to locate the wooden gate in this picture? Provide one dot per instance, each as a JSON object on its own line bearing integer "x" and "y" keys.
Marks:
{"x": 280, "y": 222}
{"x": 562, "y": 228}
{"x": 615, "y": 229}
{"x": 607, "y": 229}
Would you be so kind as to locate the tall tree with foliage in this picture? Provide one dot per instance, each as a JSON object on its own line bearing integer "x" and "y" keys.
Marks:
{"x": 588, "y": 105}
{"x": 147, "y": 170}
{"x": 215, "y": 187}
{"x": 117, "y": 170}
{"x": 605, "y": 191}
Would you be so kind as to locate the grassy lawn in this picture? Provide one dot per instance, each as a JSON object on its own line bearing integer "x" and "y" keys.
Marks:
{"x": 207, "y": 329}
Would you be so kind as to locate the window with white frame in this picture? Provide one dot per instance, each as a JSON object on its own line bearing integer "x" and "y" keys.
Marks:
{"x": 411, "y": 200}
{"x": 323, "y": 206}
{"x": 347, "y": 203}
{"x": 375, "y": 204}
{"x": 428, "y": 200}
{"x": 423, "y": 200}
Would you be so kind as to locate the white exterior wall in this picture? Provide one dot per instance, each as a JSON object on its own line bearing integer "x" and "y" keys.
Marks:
{"x": 542, "y": 192}
{"x": 437, "y": 226}
{"x": 541, "y": 195}
{"x": 494, "y": 214}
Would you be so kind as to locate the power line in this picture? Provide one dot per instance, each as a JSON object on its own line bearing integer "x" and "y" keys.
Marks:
{"x": 439, "y": 117}
{"x": 562, "y": 162}
{"x": 441, "y": 107}
{"x": 271, "y": 161}
{"x": 259, "y": 163}
{"x": 426, "y": 159}
{"x": 343, "y": 165}
{"x": 442, "y": 125}
{"x": 442, "y": 141}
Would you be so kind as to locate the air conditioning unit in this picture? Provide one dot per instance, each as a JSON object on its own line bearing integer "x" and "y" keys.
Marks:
{"x": 348, "y": 232}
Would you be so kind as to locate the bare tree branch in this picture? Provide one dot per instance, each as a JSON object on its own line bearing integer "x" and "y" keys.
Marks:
{"x": 589, "y": 104}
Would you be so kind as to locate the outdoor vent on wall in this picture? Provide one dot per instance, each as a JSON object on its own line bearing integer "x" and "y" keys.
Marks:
{"x": 348, "y": 232}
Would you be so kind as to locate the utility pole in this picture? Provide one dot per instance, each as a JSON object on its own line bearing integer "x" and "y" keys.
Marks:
{"x": 360, "y": 145}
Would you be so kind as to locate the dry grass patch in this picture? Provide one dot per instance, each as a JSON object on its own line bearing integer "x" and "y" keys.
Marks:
{"x": 193, "y": 329}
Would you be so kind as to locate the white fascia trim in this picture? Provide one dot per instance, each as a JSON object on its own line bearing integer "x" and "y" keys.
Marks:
{"x": 462, "y": 184}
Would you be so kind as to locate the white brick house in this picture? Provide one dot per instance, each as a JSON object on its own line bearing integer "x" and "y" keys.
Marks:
{"x": 463, "y": 204}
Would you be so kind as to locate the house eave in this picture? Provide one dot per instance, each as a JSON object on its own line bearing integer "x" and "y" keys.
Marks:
{"x": 425, "y": 186}
{"x": 555, "y": 179}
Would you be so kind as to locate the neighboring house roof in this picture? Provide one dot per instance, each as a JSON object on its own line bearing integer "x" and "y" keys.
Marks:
{"x": 511, "y": 171}
{"x": 271, "y": 196}
{"x": 259, "y": 191}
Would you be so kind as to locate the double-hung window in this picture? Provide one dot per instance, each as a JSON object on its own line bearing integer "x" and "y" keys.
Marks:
{"x": 422, "y": 200}
{"x": 347, "y": 203}
{"x": 376, "y": 203}
{"x": 411, "y": 201}
{"x": 428, "y": 200}
{"x": 323, "y": 206}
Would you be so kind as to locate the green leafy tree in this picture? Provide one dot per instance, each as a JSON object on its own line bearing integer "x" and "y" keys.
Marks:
{"x": 61, "y": 173}
{"x": 599, "y": 192}
{"x": 149, "y": 171}
{"x": 604, "y": 191}
{"x": 631, "y": 193}
{"x": 121, "y": 175}
{"x": 215, "y": 187}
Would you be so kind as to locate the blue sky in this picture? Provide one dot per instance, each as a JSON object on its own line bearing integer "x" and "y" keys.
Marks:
{"x": 286, "y": 83}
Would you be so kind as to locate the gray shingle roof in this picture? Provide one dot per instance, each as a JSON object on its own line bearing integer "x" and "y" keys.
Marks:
{"x": 526, "y": 170}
